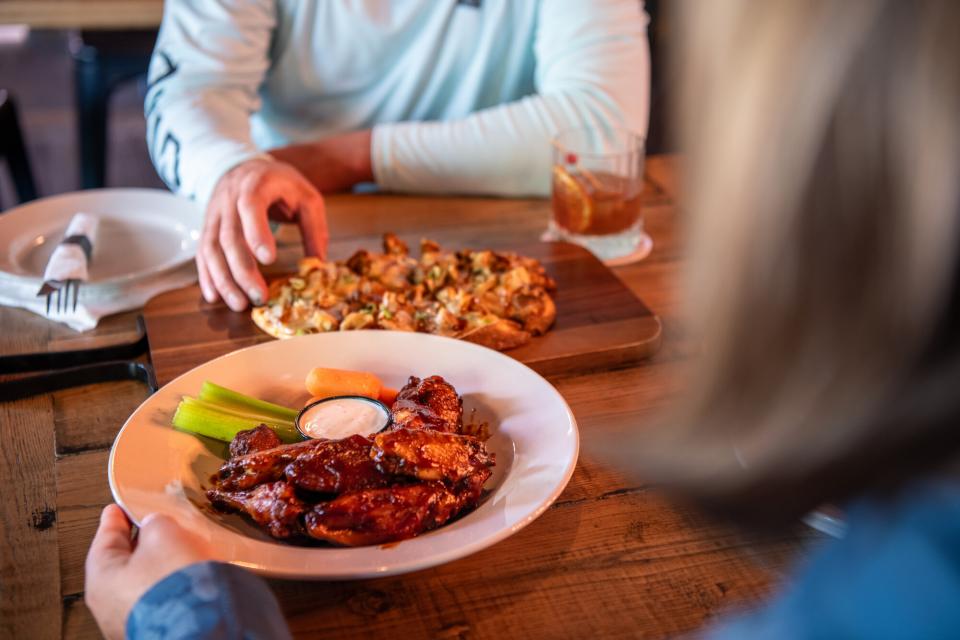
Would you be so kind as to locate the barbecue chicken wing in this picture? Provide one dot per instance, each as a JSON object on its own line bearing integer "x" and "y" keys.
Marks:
{"x": 336, "y": 466}
{"x": 375, "y": 516}
{"x": 250, "y": 441}
{"x": 431, "y": 403}
{"x": 431, "y": 455}
{"x": 273, "y": 505}
{"x": 403, "y": 482}
{"x": 244, "y": 472}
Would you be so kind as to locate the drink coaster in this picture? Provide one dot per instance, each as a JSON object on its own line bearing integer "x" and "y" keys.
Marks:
{"x": 644, "y": 247}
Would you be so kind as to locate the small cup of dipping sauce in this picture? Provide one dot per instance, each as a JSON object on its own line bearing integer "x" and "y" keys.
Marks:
{"x": 343, "y": 416}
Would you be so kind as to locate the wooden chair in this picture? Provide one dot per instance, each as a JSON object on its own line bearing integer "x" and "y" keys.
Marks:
{"x": 13, "y": 150}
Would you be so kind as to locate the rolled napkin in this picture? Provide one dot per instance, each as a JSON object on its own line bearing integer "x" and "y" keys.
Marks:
{"x": 71, "y": 258}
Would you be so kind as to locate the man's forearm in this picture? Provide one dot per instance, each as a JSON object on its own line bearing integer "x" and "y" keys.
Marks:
{"x": 336, "y": 163}
{"x": 504, "y": 150}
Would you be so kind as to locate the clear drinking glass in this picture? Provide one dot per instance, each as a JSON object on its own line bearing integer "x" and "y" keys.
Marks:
{"x": 597, "y": 180}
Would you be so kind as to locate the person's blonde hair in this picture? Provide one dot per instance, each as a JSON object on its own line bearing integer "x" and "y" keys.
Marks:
{"x": 822, "y": 166}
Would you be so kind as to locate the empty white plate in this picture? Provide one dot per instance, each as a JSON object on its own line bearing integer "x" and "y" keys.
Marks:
{"x": 154, "y": 468}
{"x": 142, "y": 232}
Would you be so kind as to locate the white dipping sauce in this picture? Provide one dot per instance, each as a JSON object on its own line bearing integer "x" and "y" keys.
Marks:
{"x": 339, "y": 418}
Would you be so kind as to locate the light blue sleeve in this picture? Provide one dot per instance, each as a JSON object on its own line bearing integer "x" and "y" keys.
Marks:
{"x": 896, "y": 576}
{"x": 207, "y": 66}
{"x": 592, "y": 69}
{"x": 208, "y": 601}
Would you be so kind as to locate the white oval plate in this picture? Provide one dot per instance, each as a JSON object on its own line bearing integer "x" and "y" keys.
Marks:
{"x": 154, "y": 468}
{"x": 142, "y": 232}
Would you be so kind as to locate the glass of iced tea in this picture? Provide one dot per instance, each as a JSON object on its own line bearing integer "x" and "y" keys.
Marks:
{"x": 597, "y": 180}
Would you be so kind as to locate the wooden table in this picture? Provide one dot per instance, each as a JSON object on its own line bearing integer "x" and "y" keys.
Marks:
{"x": 82, "y": 14}
{"x": 610, "y": 558}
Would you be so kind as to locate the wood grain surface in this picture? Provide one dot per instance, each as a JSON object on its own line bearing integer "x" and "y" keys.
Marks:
{"x": 600, "y": 322}
{"x": 82, "y": 14}
{"x": 29, "y": 572}
{"x": 611, "y": 558}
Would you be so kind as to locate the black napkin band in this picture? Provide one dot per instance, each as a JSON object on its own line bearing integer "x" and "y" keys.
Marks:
{"x": 82, "y": 241}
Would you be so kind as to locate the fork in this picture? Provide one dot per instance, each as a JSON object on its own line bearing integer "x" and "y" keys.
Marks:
{"x": 62, "y": 289}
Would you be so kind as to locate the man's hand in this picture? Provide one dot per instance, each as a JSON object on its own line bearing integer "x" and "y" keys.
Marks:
{"x": 118, "y": 571}
{"x": 236, "y": 233}
{"x": 333, "y": 164}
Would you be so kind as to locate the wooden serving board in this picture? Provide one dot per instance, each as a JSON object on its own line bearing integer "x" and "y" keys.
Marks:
{"x": 600, "y": 322}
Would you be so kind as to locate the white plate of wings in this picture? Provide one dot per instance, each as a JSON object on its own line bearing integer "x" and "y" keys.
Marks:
{"x": 155, "y": 468}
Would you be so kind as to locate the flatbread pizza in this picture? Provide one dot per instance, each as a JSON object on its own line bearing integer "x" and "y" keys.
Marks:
{"x": 497, "y": 299}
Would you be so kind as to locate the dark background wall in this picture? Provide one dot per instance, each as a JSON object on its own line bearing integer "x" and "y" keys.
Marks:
{"x": 39, "y": 73}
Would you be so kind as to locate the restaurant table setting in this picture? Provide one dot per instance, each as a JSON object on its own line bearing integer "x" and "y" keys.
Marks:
{"x": 104, "y": 251}
{"x": 560, "y": 545}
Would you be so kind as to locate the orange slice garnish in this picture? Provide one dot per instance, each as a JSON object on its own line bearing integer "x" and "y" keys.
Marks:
{"x": 577, "y": 201}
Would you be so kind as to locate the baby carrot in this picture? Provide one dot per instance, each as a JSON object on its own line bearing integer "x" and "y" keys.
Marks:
{"x": 323, "y": 382}
{"x": 388, "y": 395}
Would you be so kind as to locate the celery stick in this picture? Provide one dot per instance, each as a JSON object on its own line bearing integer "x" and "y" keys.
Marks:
{"x": 216, "y": 394}
{"x": 200, "y": 418}
{"x": 232, "y": 410}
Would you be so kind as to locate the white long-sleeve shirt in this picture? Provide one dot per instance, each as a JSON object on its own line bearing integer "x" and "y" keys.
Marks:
{"x": 462, "y": 96}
